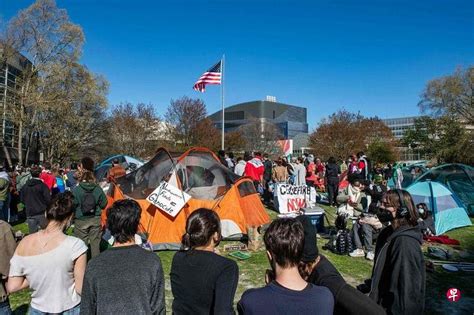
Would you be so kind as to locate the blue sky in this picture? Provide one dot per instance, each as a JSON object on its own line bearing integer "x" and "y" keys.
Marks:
{"x": 369, "y": 56}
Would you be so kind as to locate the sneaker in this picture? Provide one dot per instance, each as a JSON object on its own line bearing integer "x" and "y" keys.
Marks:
{"x": 370, "y": 256}
{"x": 357, "y": 253}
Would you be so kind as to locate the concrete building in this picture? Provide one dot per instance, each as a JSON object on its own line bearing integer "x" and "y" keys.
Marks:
{"x": 291, "y": 120}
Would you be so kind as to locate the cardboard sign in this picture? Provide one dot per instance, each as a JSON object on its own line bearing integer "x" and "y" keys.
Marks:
{"x": 290, "y": 198}
{"x": 168, "y": 198}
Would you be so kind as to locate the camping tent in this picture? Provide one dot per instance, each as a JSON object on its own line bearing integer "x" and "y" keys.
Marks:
{"x": 457, "y": 177}
{"x": 448, "y": 211}
{"x": 199, "y": 173}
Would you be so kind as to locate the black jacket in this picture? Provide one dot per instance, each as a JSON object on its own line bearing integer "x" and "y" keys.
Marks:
{"x": 35, "y": 196}
{"x": 398, "y": 276}
{"x": 347, "y": 300}
{"x": 332, "y": 173}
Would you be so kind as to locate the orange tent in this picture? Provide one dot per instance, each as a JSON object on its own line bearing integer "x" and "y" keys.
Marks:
{"x": 199, "y": 173}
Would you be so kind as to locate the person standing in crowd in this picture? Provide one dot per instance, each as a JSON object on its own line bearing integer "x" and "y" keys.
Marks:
{"x": 36, "y": 197}
{"x": 363, "y": 166}
{"x": 203, "y": 282}
{"x": 255, "y": 169}
{"x": 23, "y": 177}
{"x": 229, "y": 159}
{"x": 7, "y": 248}
{"x": 240, "y": 166}
{"x": 352, "y": 165}
{"x": 318, "y": 270}
{"x": 116, "y": 171}
{"x": 221, "y": 156}
{"x": 267, "y": 178}
{"x": 398, "y": 277}
{"x": 332, "y": 180}
{"x": 72, "y": 177}
{"x": 320, "y": 168}
{"x": 300, "y": 172}
{"x": 89, "y": 201}
{"x": 47, "y": 176}
{"x": 287, "y": 292}
{"x": 279, "y": 172}
{"x": 398, "y": 176}
{"x": 311, "y": 177}
{"x": 60, "y": 184}
{"x": 4, "y": 194}
{"x": 51, "y": 263}
{"x": 342, "y": 167}
{"x": 125, "y": 279}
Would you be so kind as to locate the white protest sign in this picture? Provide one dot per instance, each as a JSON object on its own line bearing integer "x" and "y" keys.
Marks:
{"x": 291, "y": 198}
{"x": 168, "y": 198}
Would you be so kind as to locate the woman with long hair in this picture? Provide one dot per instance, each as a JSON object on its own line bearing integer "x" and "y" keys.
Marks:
{"x": 51, "y": 263}
{"x": 203, "y": 282}
{"x": 398, "y": 276}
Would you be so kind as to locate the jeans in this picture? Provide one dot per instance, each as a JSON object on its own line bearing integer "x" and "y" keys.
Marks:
{"x": 76, "y": 310}
{"x": 5, "y": 308}
{"x": 89, "y": 230}
{"x": 366, "y": 231}
{"x": 36, "y": 222}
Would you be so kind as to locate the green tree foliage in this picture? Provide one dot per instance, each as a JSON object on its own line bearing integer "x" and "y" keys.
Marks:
{"x": 445, "y": 139}
{"x": 382, "y": 152}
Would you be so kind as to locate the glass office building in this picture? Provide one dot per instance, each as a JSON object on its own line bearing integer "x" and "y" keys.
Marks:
{"x": 291, "y": 120}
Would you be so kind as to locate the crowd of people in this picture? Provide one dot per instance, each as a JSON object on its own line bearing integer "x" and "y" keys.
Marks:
{"x": 68, "y": 274}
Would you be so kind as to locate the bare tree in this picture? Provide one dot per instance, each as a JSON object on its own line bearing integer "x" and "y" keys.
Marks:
{"x": 451, "y": 95}
{"x": 45, "y": 35}
{"x": 134, "y": 129}
{"x": 261, "y": 136}
{"x": 182, "y": 117}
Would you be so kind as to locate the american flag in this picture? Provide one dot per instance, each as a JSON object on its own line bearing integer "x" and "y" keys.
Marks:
{"x": 211, "y": 76}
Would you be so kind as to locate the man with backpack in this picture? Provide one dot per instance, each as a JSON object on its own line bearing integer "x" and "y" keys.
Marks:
{"x": 89, "y": 201}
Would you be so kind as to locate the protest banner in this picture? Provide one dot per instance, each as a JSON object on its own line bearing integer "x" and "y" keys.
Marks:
{"x": 168, "y": 198}
{"x": 290, "y": 198}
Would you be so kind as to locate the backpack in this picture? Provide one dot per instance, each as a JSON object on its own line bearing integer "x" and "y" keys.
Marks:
{"x": 88, "y": 204}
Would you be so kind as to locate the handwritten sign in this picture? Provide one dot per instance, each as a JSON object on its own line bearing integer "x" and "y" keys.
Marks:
{"x": 168, "y": 198}
{"x": 289, "y": 198}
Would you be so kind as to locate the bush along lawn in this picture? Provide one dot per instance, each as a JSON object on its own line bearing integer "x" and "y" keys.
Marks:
{"x": 354, "y": 270}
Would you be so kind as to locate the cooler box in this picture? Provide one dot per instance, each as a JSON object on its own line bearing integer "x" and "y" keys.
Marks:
{"x": 316, "y": 215}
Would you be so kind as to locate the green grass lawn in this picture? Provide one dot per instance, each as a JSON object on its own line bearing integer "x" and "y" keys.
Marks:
{"x": 354, "y": 270}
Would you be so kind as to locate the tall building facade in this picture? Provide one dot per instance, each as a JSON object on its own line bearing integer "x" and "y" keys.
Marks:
{"x": 400, "y": 125}
{"x": 291, "y": 120}
{"x": 11, "y": 70}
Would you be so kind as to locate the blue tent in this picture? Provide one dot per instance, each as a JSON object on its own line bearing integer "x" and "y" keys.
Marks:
{"x": 448, "y": 211}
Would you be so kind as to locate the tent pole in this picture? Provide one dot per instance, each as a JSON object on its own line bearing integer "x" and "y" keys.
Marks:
{"x": 222, "y": 100}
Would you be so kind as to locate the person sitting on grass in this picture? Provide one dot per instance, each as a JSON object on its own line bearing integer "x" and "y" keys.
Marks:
{"x": 124, "y": 279}
{"x": 318, "y": 270}
{"x": 203, "y": 282}
{"x": 425, "y": 221}
{"x": 51, "y": 263}
{"x": 287, "y": 292}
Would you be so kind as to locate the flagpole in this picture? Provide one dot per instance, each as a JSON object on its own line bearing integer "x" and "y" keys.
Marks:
{"x": 222, "y": 99}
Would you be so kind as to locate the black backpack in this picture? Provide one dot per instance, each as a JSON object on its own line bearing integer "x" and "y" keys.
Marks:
{"x": 88, "y": 204}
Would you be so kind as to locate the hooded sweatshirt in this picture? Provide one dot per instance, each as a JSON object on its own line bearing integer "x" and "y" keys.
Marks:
{"x": 36, "y": 197}
{"x": 398, "y": 276}
{"x": 97, "y": 192}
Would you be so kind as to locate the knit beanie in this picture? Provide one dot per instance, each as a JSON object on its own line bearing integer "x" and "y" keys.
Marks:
{"x": 310, "y": 250}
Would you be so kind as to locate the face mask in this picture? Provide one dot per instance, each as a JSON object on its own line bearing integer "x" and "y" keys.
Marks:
{"x": 385, "y": 216}
{"x": 421, "y": 210}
